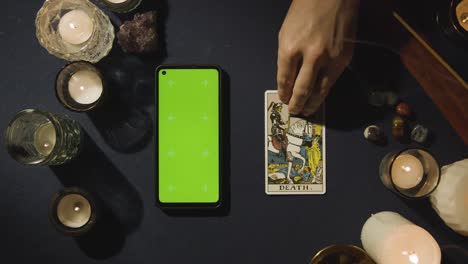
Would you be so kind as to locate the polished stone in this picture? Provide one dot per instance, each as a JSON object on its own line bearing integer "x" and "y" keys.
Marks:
{"x": 391, "y": 98}
{"x": 377, "y": 98}
{"x": 398, "y": 127}
{"x": 373, "y": 133}
{"x": 419, "y": 133}
{"x": 403, "y": 109}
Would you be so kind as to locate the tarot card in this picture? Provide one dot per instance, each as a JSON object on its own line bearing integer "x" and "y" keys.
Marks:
{"x": 294, "y": 150}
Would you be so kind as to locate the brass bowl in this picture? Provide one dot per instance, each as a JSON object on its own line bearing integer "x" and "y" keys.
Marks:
{"x": 342, "y": 254}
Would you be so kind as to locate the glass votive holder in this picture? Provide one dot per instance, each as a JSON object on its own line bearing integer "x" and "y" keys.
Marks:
{"x": 73, "y": 211}
{"x": 74, "y": 30}
{"x": 342, "y": 254}
{"x": 80, "y": 86}
{"x": 36, "y": 137}
{"x": 411, "y": 173}
{"x": 121, "y": 6}
{"x": 452, "y": 18}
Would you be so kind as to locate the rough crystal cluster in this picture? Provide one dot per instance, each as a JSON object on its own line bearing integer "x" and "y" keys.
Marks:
{"x": 419, "y": 134}
{"x": 140, "y": 35}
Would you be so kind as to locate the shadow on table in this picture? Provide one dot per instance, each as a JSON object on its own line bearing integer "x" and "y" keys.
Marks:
{"x": 452, "y": 253}
{"x": 121, "y": 208}
{"x": 376, "y": 67}
{"x": 124, "y": 129}
{"x": 122, "y": 118}
{"x": 225, "y": 159}
{"x": 347, "y": 106}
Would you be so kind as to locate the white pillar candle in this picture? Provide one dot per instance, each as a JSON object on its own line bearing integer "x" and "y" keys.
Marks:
{"x": 76, "y": 27}
{"x": 450, "y": 199}
{"x": 74, "y": 211}
{"x": 389, "y": 238}
{"x": 407, "y": 171}
{"x": 85, "y": 87}
{"x": 45, "y": 138}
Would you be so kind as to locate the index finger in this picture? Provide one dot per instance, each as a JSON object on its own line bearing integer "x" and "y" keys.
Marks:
{"x": 286, "y": 76}
{"x": 303, "y": 87}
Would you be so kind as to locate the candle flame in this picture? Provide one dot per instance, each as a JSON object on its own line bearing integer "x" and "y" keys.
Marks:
{"x": 464, "y": 18}
{"x": 76, "y": 209}
{"x": 406, "y": 168}
{"x": 412, "y": 257}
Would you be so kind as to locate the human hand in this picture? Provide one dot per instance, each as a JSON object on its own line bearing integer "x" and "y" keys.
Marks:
{"x": 313, "y": 52}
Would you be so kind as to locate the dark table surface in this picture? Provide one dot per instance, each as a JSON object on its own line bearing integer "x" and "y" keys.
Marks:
{"x": 241, "y": 36}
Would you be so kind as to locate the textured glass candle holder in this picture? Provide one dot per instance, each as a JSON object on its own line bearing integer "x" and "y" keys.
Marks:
{"x": 36, "y": 137}
{"x": 97, "y": 46}
{"x": 121, "y": 6}
{"x": 62, "y": 86}
{"x": 397, "y": 162}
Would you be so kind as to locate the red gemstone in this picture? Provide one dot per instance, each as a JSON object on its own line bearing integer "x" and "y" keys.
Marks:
{"x": 403, "y": 109}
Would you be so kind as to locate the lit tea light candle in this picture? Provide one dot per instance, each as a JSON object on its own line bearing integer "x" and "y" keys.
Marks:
{"x": 411, "y": 173}
{"x": 45, "y": 138}
{"x": 122, "y": 6}
{"x": 116, "y": 1}
{"x": 85, "y": 87}
{"x": 74, "y": 30}
{"x": 389, "y": 238}
{"x": 80, "y": 86}
{"x": 407, "y": 171}
{"x": 461, "y": 12}
{"x": 72, "y": 211}
{"x": 76, "y": 27}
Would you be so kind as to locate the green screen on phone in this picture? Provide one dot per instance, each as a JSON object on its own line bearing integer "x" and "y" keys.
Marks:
{"x": 188, "y": 135}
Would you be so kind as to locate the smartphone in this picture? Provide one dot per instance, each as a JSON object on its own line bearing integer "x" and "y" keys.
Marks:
{"x": 188, "y": 141}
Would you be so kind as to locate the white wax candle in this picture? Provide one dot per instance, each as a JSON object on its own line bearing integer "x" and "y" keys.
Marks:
{"x": 389, "y": 238}
{"x": 45, "y": 138}
{"x": 74, "y": 211}
{"x": 450, "y": 199}
{"x": 76, "y": 27}
{"x": 407, "y": 171}
{"x": 85, "y": 87}
{"x": 116, "y": 1}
